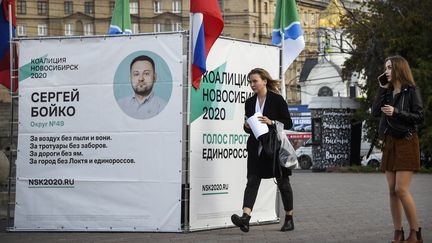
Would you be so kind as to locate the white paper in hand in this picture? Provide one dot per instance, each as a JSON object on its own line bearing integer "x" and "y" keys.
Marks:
{"x": 257, "y": 127}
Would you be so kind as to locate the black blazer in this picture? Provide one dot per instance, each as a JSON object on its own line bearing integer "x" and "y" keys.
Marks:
{"x": 275, "y": 108}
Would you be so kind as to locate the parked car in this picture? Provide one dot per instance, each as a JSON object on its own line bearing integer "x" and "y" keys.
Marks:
{"x": 304, "y": 156}
{"x": 425, "y": 159}
{"x": 302, "y": 128}
{"x": 308, "y": 128}
{"x": 374, "y": 160}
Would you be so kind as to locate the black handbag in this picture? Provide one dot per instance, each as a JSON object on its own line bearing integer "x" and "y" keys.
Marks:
{"x": 270, "y": 142}
{"x": 270, "y": 146}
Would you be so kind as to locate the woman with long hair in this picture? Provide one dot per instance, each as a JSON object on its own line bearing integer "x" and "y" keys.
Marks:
{"x": 260, "y": 165}
{"x": 399, "y": 105}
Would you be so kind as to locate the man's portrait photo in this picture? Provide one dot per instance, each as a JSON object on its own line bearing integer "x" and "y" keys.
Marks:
{"x": 144, "y": 101}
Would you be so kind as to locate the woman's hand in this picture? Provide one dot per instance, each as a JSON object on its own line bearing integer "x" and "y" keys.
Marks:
{"x": 246, "y": 125}
{"x": 388, "y": 110}
{"x": 386, "y": 86}
{"x": 264, "y": 119}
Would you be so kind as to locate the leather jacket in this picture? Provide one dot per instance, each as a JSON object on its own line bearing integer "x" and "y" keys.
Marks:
{"x": 407, "y": 110}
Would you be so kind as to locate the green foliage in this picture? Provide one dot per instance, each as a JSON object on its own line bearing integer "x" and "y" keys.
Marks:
{"x": 392, "y": 27}
{"x": 363, "y": 169}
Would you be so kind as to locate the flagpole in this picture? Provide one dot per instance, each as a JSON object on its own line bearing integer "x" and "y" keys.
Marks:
{"x": 189, "y": 71}
{"x": 186, "y": 168}
{"x": 283, "y": 91}
{"x": 10, "y": 50}
{"x": 11, "y": 91}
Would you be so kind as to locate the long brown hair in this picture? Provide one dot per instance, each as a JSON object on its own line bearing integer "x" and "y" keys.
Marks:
{"x": 401, "y": 70}
{"x": 272, "y": 84}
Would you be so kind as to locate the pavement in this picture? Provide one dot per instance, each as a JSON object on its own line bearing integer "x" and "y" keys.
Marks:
{"x": 328, "y": 207}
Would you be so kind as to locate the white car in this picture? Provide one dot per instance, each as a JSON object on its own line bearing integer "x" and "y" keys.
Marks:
{"x": 374, "y": 160}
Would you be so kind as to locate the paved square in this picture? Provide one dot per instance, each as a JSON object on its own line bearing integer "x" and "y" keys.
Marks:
{"x": 328, "y": 207}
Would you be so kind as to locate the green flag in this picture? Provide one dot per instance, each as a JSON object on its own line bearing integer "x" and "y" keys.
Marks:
{"x": 121, "y": 21}
{"x": 287, "y": 26}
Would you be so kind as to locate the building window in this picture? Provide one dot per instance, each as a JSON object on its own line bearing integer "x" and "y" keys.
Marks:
{"x": 313, "y": 38}
{"x": 21, "y": 7}
{"x": 265, "y": 8}
{"x": 325, "y": 91}
{"x": 68, "y": 7}
{"x": 176, "y": 6}
{"x": 157, "y": 27}
{"x": 265, "y": 29}
{"x": 89, "y": 29}
{"x": 133, "y": 6}
{"x": 21, "y": 30}
{"x": 68, "y": 29}
{"x": 157, "y": 7}
{"x": 254, "y": 6}
{"x": 42, "y": 30}
{"x": 221, "y": 5}
{"x": 135, "y": 28}
{"x": 89, "y": 7}
{"x": 254, "y": 29}
{"x": 178, "y": 26}
{"x": 42, "y": 7}
{"x": 313, "y": 19}
{"x": 111, "y": 6}
{"x": 305, "y": 18}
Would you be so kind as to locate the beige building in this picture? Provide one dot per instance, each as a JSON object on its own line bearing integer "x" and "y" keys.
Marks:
{"x": 309, "y": 15}
{"x": 244, "y": 19}
{"x": 253, "y": 20}
{"x": 81, "y": 17}
{"x": 248, "y": 19}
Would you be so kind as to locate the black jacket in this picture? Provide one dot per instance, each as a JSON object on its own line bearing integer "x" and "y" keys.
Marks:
{"x": 275, "y": 108}
{"x": 407, "y": 114}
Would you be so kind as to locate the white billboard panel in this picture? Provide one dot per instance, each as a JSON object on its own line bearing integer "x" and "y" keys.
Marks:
{"x": 100, "y": 134}
{"x": 218, "y": 143}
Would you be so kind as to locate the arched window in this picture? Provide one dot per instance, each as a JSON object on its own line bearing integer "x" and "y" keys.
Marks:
{"x": 325, "y": 91}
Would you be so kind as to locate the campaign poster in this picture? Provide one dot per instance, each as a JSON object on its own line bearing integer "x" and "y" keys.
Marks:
{"x": 100, "y": 134}
{"x": 218, "y": 155}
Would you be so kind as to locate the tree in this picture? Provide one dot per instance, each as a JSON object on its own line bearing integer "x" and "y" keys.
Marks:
{"x": 386, "y": 28}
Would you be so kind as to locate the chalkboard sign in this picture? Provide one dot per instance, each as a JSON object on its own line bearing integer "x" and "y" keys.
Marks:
{"x": 331, "y": 137}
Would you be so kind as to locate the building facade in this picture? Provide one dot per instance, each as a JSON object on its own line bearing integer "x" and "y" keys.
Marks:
{"x": 322, "y": 75}
{"x": 250, "y": 20}
{"x": 80, "y": 17}
{"x": 309, "y": 16}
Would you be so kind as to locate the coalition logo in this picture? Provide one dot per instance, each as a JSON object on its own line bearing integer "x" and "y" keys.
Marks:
{"x": 213, "y": 189}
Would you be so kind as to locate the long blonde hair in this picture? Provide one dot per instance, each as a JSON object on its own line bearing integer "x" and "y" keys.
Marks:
{"x": 401, "y": 70}
{"x": 272, "y": 84}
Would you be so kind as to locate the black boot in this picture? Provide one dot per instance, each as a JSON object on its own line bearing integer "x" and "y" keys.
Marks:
{"x": 399, "y": 236}
{"x": 242, "y": 222}
{"x": 288, "y": 224}
{"x": 414, "y": 237}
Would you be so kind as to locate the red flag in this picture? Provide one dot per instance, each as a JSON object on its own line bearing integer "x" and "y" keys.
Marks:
{"x": 207, "y": 25}
{"x": 4, "y": 42}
